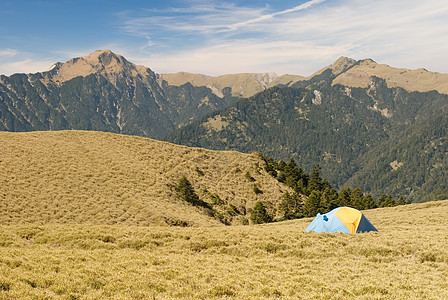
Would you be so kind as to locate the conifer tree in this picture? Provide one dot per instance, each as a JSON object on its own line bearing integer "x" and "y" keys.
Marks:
{"x": 382, "y": 201}
{"x": 312, "y": 204}
{"x": 290, "y": 207}
{"x": 315, "y": 183}
{"x": 369, "y": 202}
{"x": 344, "y": 197}
{"x": 329, "y": 199}
{"x": 401, "y": 201}
{"x": 357, "y": 199}
{"x": 389, "y": 201}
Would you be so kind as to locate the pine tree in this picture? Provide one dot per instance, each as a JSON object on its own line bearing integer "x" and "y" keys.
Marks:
{"x": 401, "y": 201}
{"x": 329, "y": 200}
{"x": 315, "y": 183}
{"x": 369, "y": 202}
{"x": 344, "y": 197}
{"x": 290, "y": 207}
{"x": 382, "y": 201}
{"x": 312, "y": 204}
{"x": 357, "y": 199}
{"x": 390, "y": 202}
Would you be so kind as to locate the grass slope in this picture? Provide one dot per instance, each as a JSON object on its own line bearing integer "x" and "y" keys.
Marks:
{"x": 103, "y": 178}
{"x": 407, "y": 259}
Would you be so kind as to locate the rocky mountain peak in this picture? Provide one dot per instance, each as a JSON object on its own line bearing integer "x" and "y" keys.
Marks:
{"x": 342, "y": 64}
{"x": 103, "y": 62}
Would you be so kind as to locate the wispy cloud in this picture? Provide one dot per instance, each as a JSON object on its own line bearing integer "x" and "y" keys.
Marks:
{"x": 203, "y": 18}
{"x": 8, "y": 52}
{"x": 272, "y": 15}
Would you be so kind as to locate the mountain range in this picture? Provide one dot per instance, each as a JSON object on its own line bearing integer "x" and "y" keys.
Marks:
{"x": 366, "y": 124}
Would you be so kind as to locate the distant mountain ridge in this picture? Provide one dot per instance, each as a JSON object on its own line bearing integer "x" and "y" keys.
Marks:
{"x": 242, "y": 85}
{"x": 102, "y": 91}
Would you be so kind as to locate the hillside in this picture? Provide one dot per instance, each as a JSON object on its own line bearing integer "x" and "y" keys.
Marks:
{"x": 103, "y": 178}
{"x": 382, "y": 139}
{"x": 406, "y": 259}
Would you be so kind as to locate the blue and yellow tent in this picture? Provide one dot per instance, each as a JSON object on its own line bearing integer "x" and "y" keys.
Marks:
{"x": 341, "y": 219}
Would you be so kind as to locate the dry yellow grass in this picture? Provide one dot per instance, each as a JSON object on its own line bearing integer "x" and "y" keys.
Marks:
{"x": 407, "y": 259}
{"x": 102, "y": 178}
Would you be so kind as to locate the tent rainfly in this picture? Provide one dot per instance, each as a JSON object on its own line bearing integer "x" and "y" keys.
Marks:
{"x": 341, "y": 219}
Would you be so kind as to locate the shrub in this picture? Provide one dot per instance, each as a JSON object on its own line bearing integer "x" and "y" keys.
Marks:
{"x": 199, "y": 171}
{"x": 222, "y": 291}
{"x": 259, "y": 214}
{"x": 5, "y": 286}
{"x": 290, "y": 207}
{"x": 215, "y": 199}
{"x": 185, "y": 191}
{"x": 257, "y": 189}
{"x": 249, "y": 177}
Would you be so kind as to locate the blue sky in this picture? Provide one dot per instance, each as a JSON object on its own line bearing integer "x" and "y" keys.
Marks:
{"x": 221, "y": 37}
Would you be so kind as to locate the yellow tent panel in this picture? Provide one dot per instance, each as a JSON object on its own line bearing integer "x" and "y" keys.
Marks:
{"x": 350, "y": 217}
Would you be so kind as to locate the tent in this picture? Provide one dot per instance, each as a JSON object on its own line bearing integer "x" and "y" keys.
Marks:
{"x": 341, "y": 219}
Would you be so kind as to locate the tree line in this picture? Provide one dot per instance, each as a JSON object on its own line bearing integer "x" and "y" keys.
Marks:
{"x": 320, "y": 196}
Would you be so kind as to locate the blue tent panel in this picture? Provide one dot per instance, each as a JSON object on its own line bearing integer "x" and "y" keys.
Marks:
{"x": 327, "y": 223}
{"x": 365, "y": 225}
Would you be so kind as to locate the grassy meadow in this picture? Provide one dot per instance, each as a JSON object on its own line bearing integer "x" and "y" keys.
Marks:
{"x": 407, "y": 259}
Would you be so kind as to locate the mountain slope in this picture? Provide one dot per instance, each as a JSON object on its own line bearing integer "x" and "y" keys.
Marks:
{"x": 105, "y": 92}
{"x": 103, "y": 178}
{"x": 344, "y": 130}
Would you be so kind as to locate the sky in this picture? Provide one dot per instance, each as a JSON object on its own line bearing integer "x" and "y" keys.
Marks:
{"x": 216, "y": 37}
